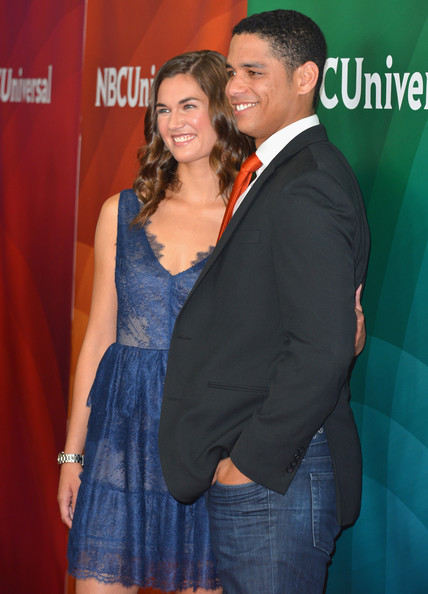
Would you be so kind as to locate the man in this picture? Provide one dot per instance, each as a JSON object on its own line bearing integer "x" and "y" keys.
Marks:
{"x": 257, "y": 388}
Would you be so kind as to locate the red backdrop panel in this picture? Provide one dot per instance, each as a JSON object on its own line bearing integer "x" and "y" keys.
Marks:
{"x": 40, "y": 58}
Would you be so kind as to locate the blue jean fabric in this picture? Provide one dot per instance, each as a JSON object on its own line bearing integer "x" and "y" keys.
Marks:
{"x": 267, "y": 543}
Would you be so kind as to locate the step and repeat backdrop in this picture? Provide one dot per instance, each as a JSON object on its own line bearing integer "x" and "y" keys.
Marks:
{"x": 41, "y": 48}
{"x": 75, "y": 77}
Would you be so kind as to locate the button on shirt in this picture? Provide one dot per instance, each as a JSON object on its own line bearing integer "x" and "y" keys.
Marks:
{"x": 269, "y": 149}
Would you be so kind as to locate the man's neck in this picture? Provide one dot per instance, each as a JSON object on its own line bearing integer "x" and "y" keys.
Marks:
{"x": 275, "y": 143}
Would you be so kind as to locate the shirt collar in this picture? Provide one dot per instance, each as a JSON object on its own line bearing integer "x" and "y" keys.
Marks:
{"x": 268, "y": 150}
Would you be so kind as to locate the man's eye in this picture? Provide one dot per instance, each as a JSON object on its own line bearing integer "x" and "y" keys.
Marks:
{"x": 254, "y": 73}
{"x": 230, "y": 73}
{"x": 189, "y": 106}
{"x": 162, "y": 110}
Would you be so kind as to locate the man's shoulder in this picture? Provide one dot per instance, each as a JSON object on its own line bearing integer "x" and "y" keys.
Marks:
{"x": 312, "y": 166}
{"x": 311, "y": 151}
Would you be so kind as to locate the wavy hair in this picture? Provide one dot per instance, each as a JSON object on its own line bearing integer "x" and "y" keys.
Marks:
{"x": 158, "y": 168}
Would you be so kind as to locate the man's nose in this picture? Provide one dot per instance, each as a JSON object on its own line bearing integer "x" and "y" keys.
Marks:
{"x": 235, "y": 85}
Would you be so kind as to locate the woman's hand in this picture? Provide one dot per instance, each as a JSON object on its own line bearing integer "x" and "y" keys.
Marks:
{"x": 360, "y": 335}
{"x": 69, "y": 483}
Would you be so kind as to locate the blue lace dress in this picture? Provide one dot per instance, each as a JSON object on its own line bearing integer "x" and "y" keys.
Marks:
{"x": 127, "y": 528}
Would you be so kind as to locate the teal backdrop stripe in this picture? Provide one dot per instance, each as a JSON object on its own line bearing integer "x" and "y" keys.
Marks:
{"x": 385, "y": 552}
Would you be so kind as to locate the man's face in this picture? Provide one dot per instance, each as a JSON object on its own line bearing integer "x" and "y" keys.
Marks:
{"x": 263, "y": 95}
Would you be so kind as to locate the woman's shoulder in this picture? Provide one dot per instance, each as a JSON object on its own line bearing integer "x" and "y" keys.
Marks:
{"x": 112, "y": 203}
{"x": 124, "y": 203}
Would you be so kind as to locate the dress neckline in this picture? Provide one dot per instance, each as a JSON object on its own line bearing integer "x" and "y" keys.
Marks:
{"x": 162, "y": 267}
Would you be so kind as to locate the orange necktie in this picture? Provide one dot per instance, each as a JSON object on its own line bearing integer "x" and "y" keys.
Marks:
{"x": 248, "y": 167}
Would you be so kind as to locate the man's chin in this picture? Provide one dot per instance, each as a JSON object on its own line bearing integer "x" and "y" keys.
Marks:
{"x": 245, "y": 127}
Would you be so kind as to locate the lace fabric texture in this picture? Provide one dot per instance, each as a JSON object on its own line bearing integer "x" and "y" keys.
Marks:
{"x": 127, "y": 528}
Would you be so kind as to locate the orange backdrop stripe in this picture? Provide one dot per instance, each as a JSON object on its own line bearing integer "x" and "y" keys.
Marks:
{"x": 134, "y": 34}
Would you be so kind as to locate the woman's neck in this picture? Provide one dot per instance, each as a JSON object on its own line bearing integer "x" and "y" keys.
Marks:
{"x": 198, "y": 182}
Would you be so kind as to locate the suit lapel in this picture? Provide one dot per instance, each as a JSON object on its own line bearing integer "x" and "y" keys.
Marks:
{"x": 314, "y": 134}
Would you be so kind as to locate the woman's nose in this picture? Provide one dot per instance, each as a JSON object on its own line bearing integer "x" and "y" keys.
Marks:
{"x": 175, "y": 119}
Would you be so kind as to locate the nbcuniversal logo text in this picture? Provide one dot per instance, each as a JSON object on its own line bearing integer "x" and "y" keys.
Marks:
{"x": 373, "y": 90}
{"x": 123, "y": 86}
{"x": 18, "y": 89}
{"x": 358, "y": 87}
{"x": 347, "y": 82}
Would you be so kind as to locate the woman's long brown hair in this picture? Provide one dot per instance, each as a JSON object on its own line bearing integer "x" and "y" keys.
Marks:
{"x": 158, "y": 168}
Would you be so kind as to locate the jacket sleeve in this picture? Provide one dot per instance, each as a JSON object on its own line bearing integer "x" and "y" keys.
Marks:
{"x": 314, "y": 224}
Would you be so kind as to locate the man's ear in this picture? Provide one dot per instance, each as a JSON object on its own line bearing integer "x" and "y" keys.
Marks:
{"x": 308, "y": 73}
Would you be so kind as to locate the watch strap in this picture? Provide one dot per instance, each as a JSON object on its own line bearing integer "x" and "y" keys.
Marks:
{"x": 64, "y": 458}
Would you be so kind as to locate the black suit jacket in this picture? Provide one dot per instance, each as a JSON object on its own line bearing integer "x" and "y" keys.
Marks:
{"x": 261, "y": 352}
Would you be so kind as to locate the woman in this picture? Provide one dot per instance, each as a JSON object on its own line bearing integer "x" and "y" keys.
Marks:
{"x": 126, "y": 528}
{"x": 127, "y": 531}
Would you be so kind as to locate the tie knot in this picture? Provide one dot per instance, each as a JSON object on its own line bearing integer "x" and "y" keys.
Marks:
{"x": 251, "y": 163}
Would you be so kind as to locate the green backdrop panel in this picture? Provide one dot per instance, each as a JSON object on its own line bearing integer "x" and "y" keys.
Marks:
{"x": 377, "y": 81}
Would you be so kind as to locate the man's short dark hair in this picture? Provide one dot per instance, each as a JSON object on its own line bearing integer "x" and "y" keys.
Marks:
{"x": 293, "y": 37}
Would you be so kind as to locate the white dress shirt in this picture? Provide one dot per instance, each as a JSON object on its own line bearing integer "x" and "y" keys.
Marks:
{"x": 269, "y": 149}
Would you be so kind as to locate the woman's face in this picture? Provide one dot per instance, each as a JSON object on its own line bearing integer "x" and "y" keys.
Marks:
{"x": 183, "y": 119}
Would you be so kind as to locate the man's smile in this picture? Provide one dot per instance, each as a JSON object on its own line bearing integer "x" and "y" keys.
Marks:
{"x": 243, "y": 106}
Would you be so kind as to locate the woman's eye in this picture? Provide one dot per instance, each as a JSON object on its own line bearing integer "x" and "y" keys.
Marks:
{"x": 189, "y": 106}
{"x": 162, "y": 110}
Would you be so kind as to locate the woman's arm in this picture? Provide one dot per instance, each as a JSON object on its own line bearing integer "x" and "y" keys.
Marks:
{"x": 100, "y": 334}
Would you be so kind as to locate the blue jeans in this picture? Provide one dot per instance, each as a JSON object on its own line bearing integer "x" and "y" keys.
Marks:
{"x": 267, "y": 543}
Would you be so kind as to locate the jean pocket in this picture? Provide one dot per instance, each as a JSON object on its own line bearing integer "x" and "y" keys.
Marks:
{"x": 325, "y": 527}
{"x": 233, "y": 501}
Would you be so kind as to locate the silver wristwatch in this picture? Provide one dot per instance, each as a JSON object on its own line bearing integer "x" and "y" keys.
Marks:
{"x": 63, "y": 458}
